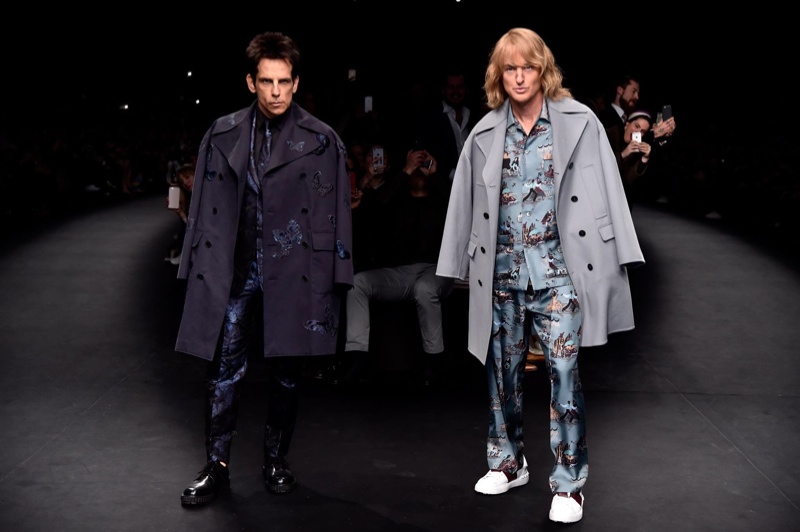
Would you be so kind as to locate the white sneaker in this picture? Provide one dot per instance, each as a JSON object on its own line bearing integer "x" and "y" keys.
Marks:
{"x": 496, "y": 482}
{"x": 566, "y": 509}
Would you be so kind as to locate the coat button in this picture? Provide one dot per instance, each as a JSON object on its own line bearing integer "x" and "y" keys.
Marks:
{"x": 570, "y": 166}
{"x": 480, "y": 283}
{"x": 219, "y": 176}
{"x": 302, "y": 175}
{"x": 199, "y": 276}
{"x": 590, "y": 267}
{"x": 304, "y": 278}
{"x": 214, "y": 210}
{"x": 483, "y": 249}
{"x": 304, "y": 210}
{"x": 208, "y": 244}
{"x": 486, "y": 215}
{"x": 582, "y": 232}
{"x": 304, "y": 244}
{"x": 574, "y": 199}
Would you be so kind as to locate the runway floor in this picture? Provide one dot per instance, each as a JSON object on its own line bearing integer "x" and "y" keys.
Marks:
{"x": 693, "y": 418}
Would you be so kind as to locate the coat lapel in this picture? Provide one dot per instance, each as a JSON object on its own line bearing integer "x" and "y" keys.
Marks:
{"x": 305, "y": 139}
{"x": 231, "y": 139}
{"x": 569, "y": 121}
{"x": 491, "y": 142}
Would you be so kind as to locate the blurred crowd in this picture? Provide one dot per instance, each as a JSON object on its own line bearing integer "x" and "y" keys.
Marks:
{"x": 713, "y": 170}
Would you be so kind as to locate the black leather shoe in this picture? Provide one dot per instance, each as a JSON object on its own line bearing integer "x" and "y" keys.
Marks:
{"x": 212, "y": 480}
{"x": 278, "y": 478}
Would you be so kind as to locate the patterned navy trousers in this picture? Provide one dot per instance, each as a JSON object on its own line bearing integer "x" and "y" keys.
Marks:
{"x": 226, "y": 376}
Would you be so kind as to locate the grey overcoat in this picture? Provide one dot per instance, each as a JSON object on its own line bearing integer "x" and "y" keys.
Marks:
{"x": 597, "y": 234}
{"x": 307, "y": 234}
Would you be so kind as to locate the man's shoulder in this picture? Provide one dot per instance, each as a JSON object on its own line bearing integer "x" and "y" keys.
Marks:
{"x": 609, "y": 116}
{"x": 306, "y": 120}
{"x": 230, "y": 120}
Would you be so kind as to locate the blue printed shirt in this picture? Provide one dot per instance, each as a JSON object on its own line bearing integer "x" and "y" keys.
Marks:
{"x": 528, "y": 243}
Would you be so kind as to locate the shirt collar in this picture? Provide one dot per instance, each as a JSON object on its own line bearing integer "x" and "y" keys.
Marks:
{"x": 544, "y": 115}
{"x": 275, "y": 123}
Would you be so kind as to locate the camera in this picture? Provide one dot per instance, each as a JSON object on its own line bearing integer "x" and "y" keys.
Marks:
{"x": 427, "y": 164}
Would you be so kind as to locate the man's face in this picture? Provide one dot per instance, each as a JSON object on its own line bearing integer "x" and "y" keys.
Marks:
{"x": 629, "y": 97}
{"x": 273, "y": 86}
{"x": 521, "y": 80}
{"x": 454, "y": 91}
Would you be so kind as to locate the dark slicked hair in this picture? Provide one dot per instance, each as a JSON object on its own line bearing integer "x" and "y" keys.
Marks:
{"x": 273, "y": 45}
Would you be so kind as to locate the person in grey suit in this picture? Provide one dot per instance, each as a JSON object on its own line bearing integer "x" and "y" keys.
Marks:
{"x": 539, "y": 224}
{"x": 267, "y": 249}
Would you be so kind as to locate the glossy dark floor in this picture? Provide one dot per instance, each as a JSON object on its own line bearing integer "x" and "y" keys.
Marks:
{"x": 693, "y": 418}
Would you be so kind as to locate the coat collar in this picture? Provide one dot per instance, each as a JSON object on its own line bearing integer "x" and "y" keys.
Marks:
{"x": 301, "y": 134}
{"x": 569, "y": 119}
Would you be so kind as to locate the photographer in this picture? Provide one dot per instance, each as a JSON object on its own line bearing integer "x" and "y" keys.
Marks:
{"x": 632, "y": 152}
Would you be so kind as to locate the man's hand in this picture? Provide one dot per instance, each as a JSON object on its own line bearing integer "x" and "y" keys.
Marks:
{"x": 664, "y": 129}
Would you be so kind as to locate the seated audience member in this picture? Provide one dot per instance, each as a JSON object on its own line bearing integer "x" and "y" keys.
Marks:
{"x": 398, "y": 226}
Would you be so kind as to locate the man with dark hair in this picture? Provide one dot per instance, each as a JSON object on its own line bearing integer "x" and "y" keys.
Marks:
{"x": 624, "y": 101}
{"x": 442, "y": 132}
{"x": 267, "y": 246}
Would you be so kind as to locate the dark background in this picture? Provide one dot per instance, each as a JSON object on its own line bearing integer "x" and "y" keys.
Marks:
{"x": 727, "y": 66}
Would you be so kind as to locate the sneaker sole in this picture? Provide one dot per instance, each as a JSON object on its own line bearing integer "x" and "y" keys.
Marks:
{"x": 521, "y": 481}
{"x": 567, "y": 520}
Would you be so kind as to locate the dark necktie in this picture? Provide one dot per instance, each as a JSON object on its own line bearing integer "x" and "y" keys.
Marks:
{"x": 266, "y": 149}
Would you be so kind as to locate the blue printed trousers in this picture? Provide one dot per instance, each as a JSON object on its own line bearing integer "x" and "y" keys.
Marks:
{"x": 554, "y": 315}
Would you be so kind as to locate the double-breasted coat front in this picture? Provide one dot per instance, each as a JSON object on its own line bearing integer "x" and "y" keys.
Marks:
{"x": 307, "y": 235}
{"x": 598, "y": 238}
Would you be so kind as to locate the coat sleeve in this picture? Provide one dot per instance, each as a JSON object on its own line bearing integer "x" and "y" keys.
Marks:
{"x": 453, "y": 254}
{"x": 343, "y": 269}
{"x": 204, "y": 153}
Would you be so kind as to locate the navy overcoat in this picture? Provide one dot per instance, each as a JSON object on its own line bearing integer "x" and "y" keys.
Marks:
{"x": 307, "y": 235}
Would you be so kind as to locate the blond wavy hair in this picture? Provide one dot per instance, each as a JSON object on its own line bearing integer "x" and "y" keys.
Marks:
{"x": 535, "y": 52}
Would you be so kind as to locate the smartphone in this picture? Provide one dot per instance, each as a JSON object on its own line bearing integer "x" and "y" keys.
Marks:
{"x": 636, "y": 136}
{"x": 666, "y": 112}
{"x": 378, "y": 162}
{"x": 174, "y": 198}
{"x": 367, "y": 104}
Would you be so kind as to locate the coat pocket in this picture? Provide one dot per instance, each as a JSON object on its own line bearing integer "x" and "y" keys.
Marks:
{"x": 471, "y": 247}
{"x": 323, "y": 251}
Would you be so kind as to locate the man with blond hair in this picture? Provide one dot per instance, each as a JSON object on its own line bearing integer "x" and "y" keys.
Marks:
{"x": 569, "y": 246}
